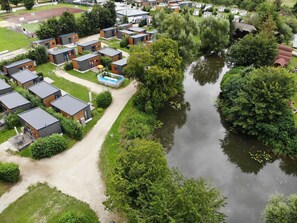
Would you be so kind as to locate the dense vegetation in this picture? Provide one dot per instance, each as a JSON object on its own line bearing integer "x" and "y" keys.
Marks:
{"x": 104, "y": 99}
{"x": 246, "y": 4}
{"x": 256, "y": 103}
{"x": 9, "y": 172}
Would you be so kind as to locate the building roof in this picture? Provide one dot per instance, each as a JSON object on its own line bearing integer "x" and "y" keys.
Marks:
{"x": 43, "y": 40}
{"x": 109, "y": 28}
{"x": 121, "y": 62}
{"x": 13, "y": 100}
{"x": 136, "y": 29}
{"x": 131, "y": 12}
{"x": 126, "y": 31}
{"x": 59, "y": 51}
{"x": 69, "y": 104}
{"x": 68, "y": 34}
{"x": 88, "y": 43}
{"x": 14, "y": 64}
{"x": 4, "y": 85}
{"x": 38, "y": 118}
{"x": 138, "y": 35}
{"x": 124, "y": 25}
{"x": 244, "y": 27}
{"x": 86, "y": 57}
{"x": 43, "y": 89}
{"x": 109, "y": 51}
{"x": 24, "y": 76}
{"x": 280, "y": 62}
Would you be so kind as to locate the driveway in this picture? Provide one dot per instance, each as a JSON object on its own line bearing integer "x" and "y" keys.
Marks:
{"x": 75, "y": 172}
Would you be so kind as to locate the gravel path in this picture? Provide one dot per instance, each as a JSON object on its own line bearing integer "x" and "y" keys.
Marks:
{"x": 74, "y": 172}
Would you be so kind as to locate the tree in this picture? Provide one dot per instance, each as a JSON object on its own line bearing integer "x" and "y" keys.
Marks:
{"x": 29, "y": 4}
{"x": 214, "y": 34}
{"x": 39, "y": 54}
{"x": 257, "y": 50}
{"x": 15, "y": 2}
{"x": 83, "y": 24}
{"x": 125, "y": 19}
{"x": 110, "y": 6}
{"x": 158, "y": 71}
{"x": 180, "y": 28}
{"x": 256, "y": 104}
{"x": 67, "y": 23}
{"x": 5, "y": 5}
{"x": 281, "y": 209}
{"x": 49, "y": 29}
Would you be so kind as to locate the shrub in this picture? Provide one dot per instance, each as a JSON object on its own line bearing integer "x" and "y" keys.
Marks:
{"x": 12, "y": 120}
{"x": 35, "y": 101}
{"x": 68, "y": 66}
{"x": 142, "y": 23}
{"x": 48, "y": 146}
{"x": 226, "y": 10}
{"x": 124, "y": 42}
{"x": 39, "y": 54}
{"x": 103, "y": 99}
{"x": 72, "y": 218}
{"x": 40, "y": 74}
{"x": 9, "y": 172}
{"x": 106, "y": 62}
{"x": 29, "y": 4}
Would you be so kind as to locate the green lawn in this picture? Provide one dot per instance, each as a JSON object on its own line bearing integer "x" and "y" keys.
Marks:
{"x": 114, "y": 43}
{"x": 5, "y": 134}
{"x": 10, "y": 40}
{"x": 45, "y": 204}
{"x": 74, "y": 89}
{"x": 89, "y": 76}
{"x": 4, "y": 187}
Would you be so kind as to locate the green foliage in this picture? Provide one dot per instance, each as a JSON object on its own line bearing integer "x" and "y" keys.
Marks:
{"x": 48, "y": 146}
{"x": 142, "y": 23}
{"x": 68, "y": 66}
{"x": 256, "y": 104}
{"x": 72, "y": 218}
{"x": 124, "y": 42}
{"x": 158, "y": 70}
{"x": 281, "y": 209}
{"x": 214, "y": 34}
{"x": 39, "y": 54}
{"x": 70, "y": 127}
{"x": 67, "y": 23}
{"x": 181, "y": 28}
{"x": 29, "y": 4}
{"x": 257, "y": 50}
{"x": 292, "y": 22}
{"x": 35, "y": 101}
{"x": 12, "y": 120}
{"x": 9, "y": 172}
{"x": 15, "y": 2}
{"x": 125, "y": 19}
{"x": 5, "y": 5}
{"x": 106, "y": 62}
{"x": 9, "y": 61}
{"x": 104, "y": 99}
{"x": 48, "y": 29}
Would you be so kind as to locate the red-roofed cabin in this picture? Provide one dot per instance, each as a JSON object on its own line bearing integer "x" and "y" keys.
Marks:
{"x": 284, "y": 56}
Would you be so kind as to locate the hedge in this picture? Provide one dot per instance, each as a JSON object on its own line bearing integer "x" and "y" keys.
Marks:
{"x": 9, "y": 172}
{"x": 103, "y": 99}
{"x": 48, "y": 146}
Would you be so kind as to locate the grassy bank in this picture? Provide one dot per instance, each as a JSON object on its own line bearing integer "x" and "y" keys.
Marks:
{"x": 11, "y": 41}
{"x": 4, "y": 187}
{"x": 45, "y": 204}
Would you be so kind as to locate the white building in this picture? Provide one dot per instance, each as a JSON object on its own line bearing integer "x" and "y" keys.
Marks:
{"x": 134, "y": 15}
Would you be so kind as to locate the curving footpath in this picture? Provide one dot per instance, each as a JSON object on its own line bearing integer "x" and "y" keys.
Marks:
{"x": 75, "y": 172}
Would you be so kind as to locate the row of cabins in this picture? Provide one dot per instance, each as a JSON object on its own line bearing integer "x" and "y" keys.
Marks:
{"x": 50, "y": 43}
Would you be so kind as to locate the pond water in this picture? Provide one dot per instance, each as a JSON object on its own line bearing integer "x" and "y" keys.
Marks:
{"x": 199, "y": 144}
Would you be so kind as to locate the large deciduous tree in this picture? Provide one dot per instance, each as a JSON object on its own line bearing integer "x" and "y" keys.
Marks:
{"x": 29, "y": 4}
{"x": 15, "y": 2}
{"x": 158, "y": 71}
{"x": 214, "y": 34}
{"x": 258, "y": 50}
{"x": 5, "y": 5}
{"x": 49, "y": 29}
{"x": 67, "y": 23}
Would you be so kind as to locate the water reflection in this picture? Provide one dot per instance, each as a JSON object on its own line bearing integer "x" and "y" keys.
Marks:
{"x": 207, "y": 69}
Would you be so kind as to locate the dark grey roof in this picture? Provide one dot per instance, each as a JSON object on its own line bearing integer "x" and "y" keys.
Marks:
{"x": 24, "y": 76}
{"x": 107, "y": 29}
{"x": 139, "y": 35}
{"x": 109, "y": 51}
{"x": 13, "y": 100}
{"x": 124, "y": 25}
{"x": 17, "y": 63}
{"x": 121, "y": 62}
{"x": 68, "y": 34}
{"x": 43, "y": 89}
{"x": 126, "y": 31}
{"x": 88, "y": 43}
{"x": 57, "y": 52}
{"x": 42, "y": 40}
{"x": 4, "y": 85}
{"x": 38, "y": 118}
{"x": 69, "y": 104}
{"x": 85, "y": 57}
{"x": 136, "y": 29}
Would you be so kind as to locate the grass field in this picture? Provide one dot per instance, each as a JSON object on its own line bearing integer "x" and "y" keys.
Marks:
{"x": 10, "y": 40}
{"x": 89, "y": 76}
{"x": 45, "y": 204}
{"x": 4, "y": 187}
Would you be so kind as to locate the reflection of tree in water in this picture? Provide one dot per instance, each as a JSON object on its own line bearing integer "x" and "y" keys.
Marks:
{"x": 245, "y": 152}
{"x": 173, "y": 115}
{"x": 208, "y": 69}
{"x": 289, "y": 166}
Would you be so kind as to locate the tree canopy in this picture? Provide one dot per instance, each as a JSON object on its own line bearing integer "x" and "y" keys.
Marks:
{"x": 214, "y": 34}
{"x": 256, "y": 104}
{"x": 257, "y": 50}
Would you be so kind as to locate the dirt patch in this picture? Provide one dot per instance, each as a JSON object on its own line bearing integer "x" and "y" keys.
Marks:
{"x": 43, "y": 15}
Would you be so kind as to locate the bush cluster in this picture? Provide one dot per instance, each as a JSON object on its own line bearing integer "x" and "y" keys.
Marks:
{"x": 106, "y": 62}
{"x": 12, "y": 120}
{"x": 70, "y": 217}
{"x": 68, "y": 66}
{"x": 69, "y": 126}
{"x": 9, "y": 172}
{"x": 35, "y": 101}
{"x": 124, "y": 42}
{"x": 103, "y": 99}
{"x": 48, "y": 146}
